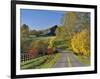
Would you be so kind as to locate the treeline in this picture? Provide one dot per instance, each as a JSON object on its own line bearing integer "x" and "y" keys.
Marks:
{"x": 73, "y": 34}
{"x": 37, "y": 47}
{"x": 33, "y": 46}
{"x": 76, "y": 31}
{"x": 26, "y": 31}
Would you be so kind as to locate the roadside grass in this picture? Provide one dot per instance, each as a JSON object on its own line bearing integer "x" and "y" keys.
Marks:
{"x": 33, "y": 63}
{"x": 52, "y": 61}
{"x": 32, "y": 60}
{"x": 50, "y": 57}
{"x": 47, "y": 61}
{"x": 83, "y": 59}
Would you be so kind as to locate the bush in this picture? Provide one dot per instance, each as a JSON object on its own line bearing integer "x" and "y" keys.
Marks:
{"x": 40, "y": 46}
{"x": 50, "y": 51}
{"x": 80, "y": 43}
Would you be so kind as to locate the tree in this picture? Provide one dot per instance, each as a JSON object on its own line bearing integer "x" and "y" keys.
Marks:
{"x": 40, "y": 46}
{"x": 83, "y": 21}
{"x": 60, "y": 32}
{"x": 24, "y": 30}
{"x": 33, "y": 32}
{"x": 69, "y": 22}
{"x": 38, "y": 33}
{"x": 25, "y": 45}
{"x": 51, "y": 42}
{"x": 75, "y": 22}
{"x": 80, "y": 43}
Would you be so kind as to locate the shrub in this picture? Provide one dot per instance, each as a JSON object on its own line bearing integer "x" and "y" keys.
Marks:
{"x": 50, "y": 51}
{"x": 80, "y": 43}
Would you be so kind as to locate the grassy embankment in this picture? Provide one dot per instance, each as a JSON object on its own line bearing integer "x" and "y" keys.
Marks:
{"x": 51, "y": 62}
{"x": 83, "y": 59}
{"x": 41, "y": 62}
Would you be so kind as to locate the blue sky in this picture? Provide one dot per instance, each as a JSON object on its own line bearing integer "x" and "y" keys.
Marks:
{"x": 40, "y": 19}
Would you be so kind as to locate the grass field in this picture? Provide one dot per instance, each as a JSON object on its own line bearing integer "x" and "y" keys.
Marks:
{"x": 42, "y": 62}
{"x": 33, "y": 62}
{"x": 39, "y": 38}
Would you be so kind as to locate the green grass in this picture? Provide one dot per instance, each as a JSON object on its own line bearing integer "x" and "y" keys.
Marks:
{"x": 33, "y": 63}
{"x": 83, "y": 59}
{"x": 32, "y": 60}
{"x": 47, "y": 61}
{"x": 52, "y": 62}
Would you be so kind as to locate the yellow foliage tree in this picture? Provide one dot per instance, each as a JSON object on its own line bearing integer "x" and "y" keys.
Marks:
{"x": 51, "y": 41}
{"x": 80, "y": 43}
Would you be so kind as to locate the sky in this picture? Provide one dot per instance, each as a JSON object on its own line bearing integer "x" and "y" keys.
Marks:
{"x": 40, "y": 19}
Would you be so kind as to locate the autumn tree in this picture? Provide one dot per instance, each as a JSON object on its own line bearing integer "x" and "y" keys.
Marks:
{"x": 60, "y": 32}
{"x": 81, "y": 43}
{"x": 40, "y": 46}
{"x": 69, "y": 22}
{"x": 51, "y": 46}
{"x": 75, "y": 22}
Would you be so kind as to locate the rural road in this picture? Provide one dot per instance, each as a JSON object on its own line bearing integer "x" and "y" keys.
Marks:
{"x": 68, "y": 59}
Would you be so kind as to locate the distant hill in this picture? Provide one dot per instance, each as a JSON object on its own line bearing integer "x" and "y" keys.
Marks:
{"x": 52, "y": 31}
{"x": 49, "y": 31}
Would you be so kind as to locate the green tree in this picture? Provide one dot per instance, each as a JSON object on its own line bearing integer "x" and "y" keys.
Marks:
{"x": 24, "y": 43}
{"x": 24, "y": 30}
{"x": 25, "y": 46}
{"x": 33, "y": 32}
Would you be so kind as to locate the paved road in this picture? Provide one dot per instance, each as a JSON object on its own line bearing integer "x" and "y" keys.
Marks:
{"x": 68, "y": 59}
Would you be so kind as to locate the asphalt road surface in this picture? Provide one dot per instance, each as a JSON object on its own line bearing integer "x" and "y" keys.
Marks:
{"x": 68, "y": 59}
